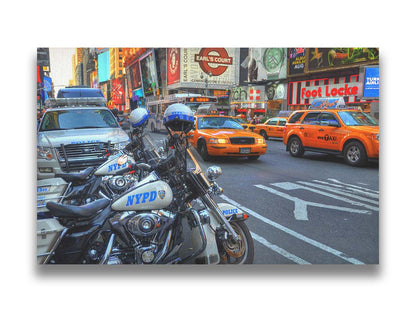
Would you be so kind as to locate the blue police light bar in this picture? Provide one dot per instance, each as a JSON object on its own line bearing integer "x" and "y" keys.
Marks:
{"x": 328, "y": 103}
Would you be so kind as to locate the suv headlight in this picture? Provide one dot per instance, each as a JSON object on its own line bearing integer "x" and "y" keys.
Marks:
{"x": 260, "y": 141}
{"x": 218, "y": 141}
{"x": 45, "y": 152}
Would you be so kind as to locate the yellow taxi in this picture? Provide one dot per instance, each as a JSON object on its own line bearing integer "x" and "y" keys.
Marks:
{"x": 215, "y": 135}
{"x": 273, "y": 127}
{"x": 333, "y": 129}
{"x": 242, "y": 121}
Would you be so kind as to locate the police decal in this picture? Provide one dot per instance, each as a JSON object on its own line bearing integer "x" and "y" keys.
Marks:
{"x": 141, "y": 198}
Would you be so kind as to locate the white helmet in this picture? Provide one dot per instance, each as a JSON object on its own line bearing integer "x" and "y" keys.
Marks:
{"x": 178, "y": 117}
{"x": 139, "y": 117}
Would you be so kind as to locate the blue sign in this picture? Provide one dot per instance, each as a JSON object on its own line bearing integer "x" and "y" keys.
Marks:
{"x": 104, "y": 66}
{"x": 371, "y": 83}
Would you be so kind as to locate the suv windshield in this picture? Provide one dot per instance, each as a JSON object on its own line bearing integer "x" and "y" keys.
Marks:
{"x": 78, "y": 119}
{"x": 357, "y": 119}
{"x": 218, "y": 123}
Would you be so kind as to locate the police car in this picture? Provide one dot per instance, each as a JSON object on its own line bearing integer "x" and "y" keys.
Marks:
{"x": 74, "y": 134}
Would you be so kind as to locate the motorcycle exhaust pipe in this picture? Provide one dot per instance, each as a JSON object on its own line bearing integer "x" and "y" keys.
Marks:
{"x": 108, "y": 250}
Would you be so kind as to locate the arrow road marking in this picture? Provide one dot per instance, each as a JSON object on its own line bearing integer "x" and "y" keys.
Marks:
{"x": 293, "y": 233}
{"x": 351, "y": 190}
{"x": 301, "y": 212}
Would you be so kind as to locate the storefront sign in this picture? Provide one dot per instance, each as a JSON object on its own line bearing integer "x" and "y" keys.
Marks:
{"x": 303, "y": 92}
{"x": 347, "y": 89}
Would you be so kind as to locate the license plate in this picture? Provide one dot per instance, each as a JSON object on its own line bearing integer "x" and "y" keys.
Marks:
{"x": 245, "y": 150}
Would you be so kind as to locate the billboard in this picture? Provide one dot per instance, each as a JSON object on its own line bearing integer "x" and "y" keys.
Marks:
{"x": 148, "y": 73}
{"x": 321, "y": 58}
{"x": 266, "y": 64}
{"x": 104, "y": 66}
{"x": 117, "y": 91}
{"x": 371, "y": 82}
{"x": 216, "y": 67}
{"x": 173, "y": 60}
{"x": 133, "y": 76}
{"x": 297, "y": 61}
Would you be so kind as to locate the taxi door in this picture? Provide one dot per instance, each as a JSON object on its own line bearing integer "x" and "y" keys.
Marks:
{"x": 309, "y": 128}
{"x": 192, "y": 135}
{"x": 271, "y": 127}
{"x": 329, "y": 132}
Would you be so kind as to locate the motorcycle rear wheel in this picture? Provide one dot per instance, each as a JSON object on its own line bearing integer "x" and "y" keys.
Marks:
{"x": 241, "y": 252}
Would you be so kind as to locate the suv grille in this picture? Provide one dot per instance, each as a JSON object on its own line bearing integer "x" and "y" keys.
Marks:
{"x": 242, "y": 140}
{"x": 80, "y": 156}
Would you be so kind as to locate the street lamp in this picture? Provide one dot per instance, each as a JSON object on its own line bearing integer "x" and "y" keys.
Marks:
{"x": 206, "y": 81}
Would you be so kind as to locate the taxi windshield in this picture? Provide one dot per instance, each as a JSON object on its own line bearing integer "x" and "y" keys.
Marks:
{"x": 354, "y": 118}
{"x": 241, "y": 120}
{"x": 218, "y": 123}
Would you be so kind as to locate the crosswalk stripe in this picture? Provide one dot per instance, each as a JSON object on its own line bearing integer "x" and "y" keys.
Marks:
{"x": 293, "y": 233}
{"x": 278, "y": 249}
{"x": 351, "y": 190}
{"x": 352, "y": 185}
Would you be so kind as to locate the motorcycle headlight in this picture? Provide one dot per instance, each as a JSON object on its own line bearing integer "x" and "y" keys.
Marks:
{"x": 45, "y": 152}
{"x": 260, "y": 141}
{"x": 120, "y": 145}
{"x": 218, "y": 141}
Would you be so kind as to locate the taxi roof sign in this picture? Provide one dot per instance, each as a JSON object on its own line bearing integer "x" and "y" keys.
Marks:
{"x": 328, "y": 103}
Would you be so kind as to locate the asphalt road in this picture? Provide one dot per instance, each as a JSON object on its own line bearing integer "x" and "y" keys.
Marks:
{"x": 310, "y": 210}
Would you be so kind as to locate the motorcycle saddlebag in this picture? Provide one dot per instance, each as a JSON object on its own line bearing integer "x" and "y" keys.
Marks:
{"x": 48, "y": 231}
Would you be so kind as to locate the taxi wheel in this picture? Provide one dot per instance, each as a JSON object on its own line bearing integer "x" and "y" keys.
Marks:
{"x": 296, "y": 147}
{"x": 203, "y": 151}
{"x": 354, "y": 154}
{"x": 264, "y": 134}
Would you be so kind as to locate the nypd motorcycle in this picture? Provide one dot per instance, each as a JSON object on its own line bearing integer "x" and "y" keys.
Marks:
{"x": 169, "y": 216}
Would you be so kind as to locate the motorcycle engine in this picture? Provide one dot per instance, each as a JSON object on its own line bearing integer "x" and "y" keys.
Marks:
{"x": 144, "y": 224}
{"x": 119, "y": 184}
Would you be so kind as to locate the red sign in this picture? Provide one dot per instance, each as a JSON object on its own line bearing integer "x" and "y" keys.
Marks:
{"x": 173, "y": 66}
{"x": 208, "y": 56}
{"x": 117, "y": 92}
{"x": 328, "y": 91}
{"x": 254, "y": 95}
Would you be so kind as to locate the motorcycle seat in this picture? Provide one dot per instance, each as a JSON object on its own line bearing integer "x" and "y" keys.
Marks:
{"x": 76, "y": 176}
{"x": 70, "y": 211}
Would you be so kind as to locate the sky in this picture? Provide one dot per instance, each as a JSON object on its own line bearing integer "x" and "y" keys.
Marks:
{"x": 61, "y": 66}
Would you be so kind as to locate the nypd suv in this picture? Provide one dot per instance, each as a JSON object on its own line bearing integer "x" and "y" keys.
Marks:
{"x": 74, "y": 134}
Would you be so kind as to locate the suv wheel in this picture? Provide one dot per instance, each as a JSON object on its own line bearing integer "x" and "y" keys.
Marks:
{"x": 296, "y": 147}
{"x": 354, "y": 154}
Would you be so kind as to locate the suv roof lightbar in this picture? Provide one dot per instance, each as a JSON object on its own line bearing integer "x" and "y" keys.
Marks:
{"x": 328, "y": 103}
{"x": 84, "y": 101}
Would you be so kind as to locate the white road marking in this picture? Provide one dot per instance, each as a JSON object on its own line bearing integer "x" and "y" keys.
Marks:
{"x": 348, "y": 200}
{"x": 363, "y": 188}
{"x": 301, "y": 212}
{"x": 278, "y": 250}
{"x": 293, "y": 233}
{"x": 351, "y": 190}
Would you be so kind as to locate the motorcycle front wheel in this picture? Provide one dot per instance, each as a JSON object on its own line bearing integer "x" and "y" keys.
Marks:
{"x": 241, "y": 252}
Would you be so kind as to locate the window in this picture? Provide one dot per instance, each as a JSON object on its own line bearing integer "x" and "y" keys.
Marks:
{"x": 311, "y": 119}
{"x": 326, "y": 118}
{"x": 282, "y": 122}
{"x": 295, "y": 118}
{"x": 272, "y": 122}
